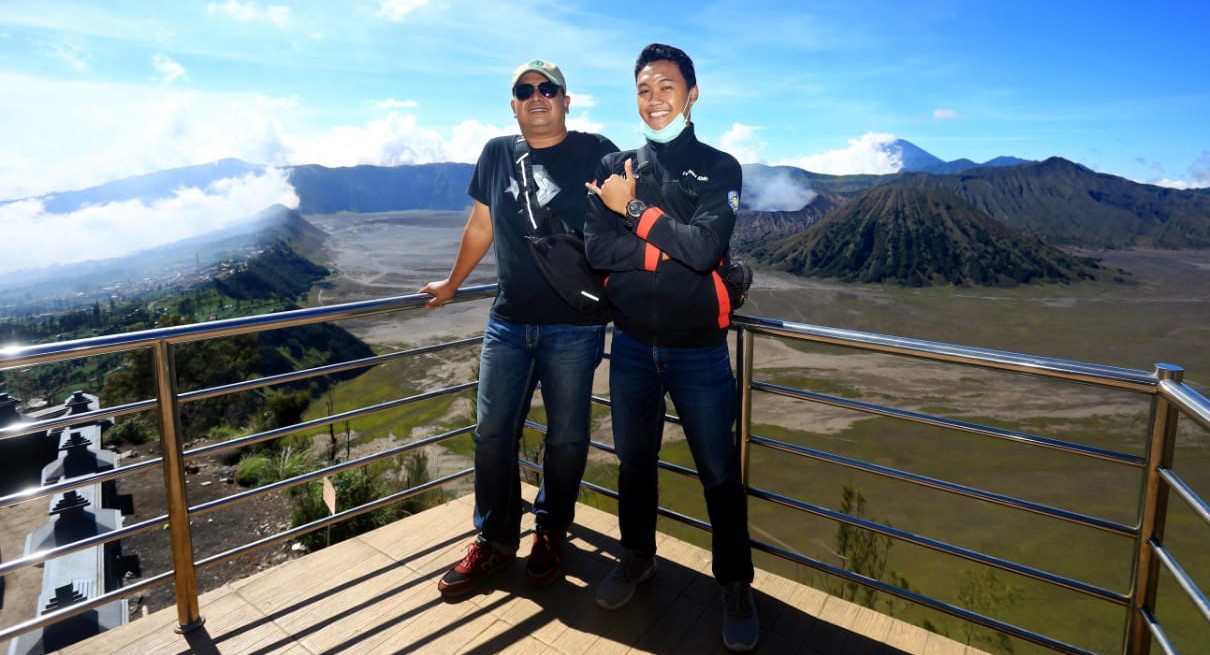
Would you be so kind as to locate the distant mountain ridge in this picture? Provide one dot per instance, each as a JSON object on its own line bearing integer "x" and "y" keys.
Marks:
{"x": 913, "y": 159}
{"x": 365, "y": 189}
{"x": 1054, "y": 202}
{"x": 919, "y": 237}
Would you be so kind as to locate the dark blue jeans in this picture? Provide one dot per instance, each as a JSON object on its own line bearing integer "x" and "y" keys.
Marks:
{"x": 702, "y": 388}
{"x": 515, "y": 357}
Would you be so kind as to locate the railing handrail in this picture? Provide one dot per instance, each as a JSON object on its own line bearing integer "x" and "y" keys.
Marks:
{"x": 1053, "y": 367}
{"x": 26, "y": 355}
{"x": 1171, "y": 397}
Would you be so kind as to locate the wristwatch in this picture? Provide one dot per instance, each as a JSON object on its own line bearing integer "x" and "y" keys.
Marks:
{"x": 634, "y": 211}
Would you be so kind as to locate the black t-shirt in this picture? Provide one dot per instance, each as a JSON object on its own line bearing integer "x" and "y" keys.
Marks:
{"x": 523, "y": 295}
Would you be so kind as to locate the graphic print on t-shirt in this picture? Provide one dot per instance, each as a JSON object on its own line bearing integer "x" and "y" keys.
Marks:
{"x": 547, "y": 188}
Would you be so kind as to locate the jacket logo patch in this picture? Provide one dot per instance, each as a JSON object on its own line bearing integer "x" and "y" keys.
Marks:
{"x": 692, "y": 173}
{"x": 733, "y": 200}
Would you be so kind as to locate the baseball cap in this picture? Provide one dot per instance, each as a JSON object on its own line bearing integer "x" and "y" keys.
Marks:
{"x": 545, "y": 68}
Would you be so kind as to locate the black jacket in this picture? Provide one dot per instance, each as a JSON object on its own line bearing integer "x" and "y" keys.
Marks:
{"x": 679, "y": 300}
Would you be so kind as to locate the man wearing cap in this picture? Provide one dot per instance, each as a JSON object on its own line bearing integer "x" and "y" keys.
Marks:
{"x": 532, "y": 335}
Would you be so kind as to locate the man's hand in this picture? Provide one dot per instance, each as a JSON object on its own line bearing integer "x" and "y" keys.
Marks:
{"x": 441, "y": 292}
{"x": 617, "y": 190}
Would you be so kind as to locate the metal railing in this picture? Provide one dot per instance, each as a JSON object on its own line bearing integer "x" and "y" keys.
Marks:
{"x": 167, "y": 403}
{"x": 1170, "y": 399}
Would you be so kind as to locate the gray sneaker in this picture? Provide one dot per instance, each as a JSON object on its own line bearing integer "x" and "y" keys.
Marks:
{"x": 741, "y": 627}
{"x": 618, "y": 587}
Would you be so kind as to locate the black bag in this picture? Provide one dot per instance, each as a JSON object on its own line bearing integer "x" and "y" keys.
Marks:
{"x": 735, "y": 272}
{"x": 737, "y": 277}
{"x": 557, "y": 249}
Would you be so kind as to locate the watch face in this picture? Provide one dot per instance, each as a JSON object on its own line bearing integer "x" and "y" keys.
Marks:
{"x": 635, "y": 208}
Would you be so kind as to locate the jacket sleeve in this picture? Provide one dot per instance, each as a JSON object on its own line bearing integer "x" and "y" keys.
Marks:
{"x": 607, "y": 242}
{"x": 700, "y": 241}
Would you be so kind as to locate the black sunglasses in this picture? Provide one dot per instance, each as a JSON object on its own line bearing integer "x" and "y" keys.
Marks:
{"x": 525, "y": 91}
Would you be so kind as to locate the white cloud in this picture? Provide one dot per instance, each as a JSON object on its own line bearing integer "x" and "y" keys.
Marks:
{"x": 392, "y": 103}
{"x": 397, "y": 10}
{"x": 169, "y": 70}
{"x": 72, "y": 55}
{"x": 251, "y": 12}
{"x": 580, "y": 123}
{"x": 114, "y": 229}
{"x": 741, "y": 142}
{"x": 943, "y": 114}
{"x": 867, "y": 155}
{"x": 391, "y": 141}
{"x": 583, "y": 100}
{"x": 776, "y": 190}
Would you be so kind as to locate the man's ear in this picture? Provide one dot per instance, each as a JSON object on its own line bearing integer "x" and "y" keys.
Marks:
{"x": 513, "y": 103}
{"x": 693, "y": 95}
{"x": 566, "y": 103}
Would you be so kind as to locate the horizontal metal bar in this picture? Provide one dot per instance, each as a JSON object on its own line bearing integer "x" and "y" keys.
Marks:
{"x": 926, "y": 601}
{"x": 944, "y": 547}
{"x": 1195, "y": 594}
{"x": 318, "y": 474}
{"x": 19, "y": 356}
{"x": 1157, "y": 632}
{"x": 1195, "y": 502}
{"x": 14, "y": 430}
{"x": 953, "y": 424}
{"x": 88, "y": 542}
{"x": 276, "y": 433}
{"x": 1191, "y": 403}
{"x": 948, "y": 487}
{"x": 306, "y": 528}
{"x": 83, "y": 606}
{"x": 329, "y": 369}
{"x": 1063, "y": 369}
{"x": 116, "y": 473}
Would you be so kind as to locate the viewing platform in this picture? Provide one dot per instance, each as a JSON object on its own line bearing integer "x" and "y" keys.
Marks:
{"x": 377, "y": 594}
{"x": 968, "y": 450}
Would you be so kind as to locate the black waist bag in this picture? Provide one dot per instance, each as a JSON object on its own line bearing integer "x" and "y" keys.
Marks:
{"x": 558, "y": 250}
{"x": 737, "y": 277}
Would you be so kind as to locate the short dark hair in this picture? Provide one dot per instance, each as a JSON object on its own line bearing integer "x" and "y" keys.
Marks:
{"x": 661, "y": 52}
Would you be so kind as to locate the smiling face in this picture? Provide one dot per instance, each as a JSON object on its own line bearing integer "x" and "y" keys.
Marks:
{"x": 540, "y": 118}
{"x": 663, "y": 93}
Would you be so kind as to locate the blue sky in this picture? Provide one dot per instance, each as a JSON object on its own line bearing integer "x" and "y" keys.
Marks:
{"x": 101, "y": 90}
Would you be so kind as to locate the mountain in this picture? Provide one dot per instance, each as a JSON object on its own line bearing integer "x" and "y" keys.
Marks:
{"x": 919, "y": 237}
{"x": 323, "y": 190}
{"x": 1068, "y": 204}
{"x": 183, "y": 263}
{"x": 150, "y": 187}
{"x": 916, "y": 160}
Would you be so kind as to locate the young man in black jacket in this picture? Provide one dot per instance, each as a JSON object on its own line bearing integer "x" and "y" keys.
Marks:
{"x": 532, "y": 335}
{"x": 660, "y": 224}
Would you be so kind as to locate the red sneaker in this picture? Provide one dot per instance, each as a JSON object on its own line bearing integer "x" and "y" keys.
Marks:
{"x": 545, "y": 562}
{"x": 481, "y": 560}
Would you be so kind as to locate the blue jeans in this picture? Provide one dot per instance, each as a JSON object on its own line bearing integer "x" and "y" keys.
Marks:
{"x": 515, "y": 357}
{"x": 702, "y": 388}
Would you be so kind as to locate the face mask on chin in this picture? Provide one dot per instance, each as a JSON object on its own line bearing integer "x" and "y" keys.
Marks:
{"x": 667, "y": 133}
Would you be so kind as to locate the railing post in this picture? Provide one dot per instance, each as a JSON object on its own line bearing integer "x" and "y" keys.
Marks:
{"x": 743, "y": 364}
{"x": 185, "y": 576}
{"x": 1153, "y": 512}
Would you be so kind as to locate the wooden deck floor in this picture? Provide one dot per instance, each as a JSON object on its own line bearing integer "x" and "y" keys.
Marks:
{"x": 378, "y": 594}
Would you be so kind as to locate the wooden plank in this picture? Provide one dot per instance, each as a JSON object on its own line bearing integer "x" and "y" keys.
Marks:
{"x": 377, "y": 594}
